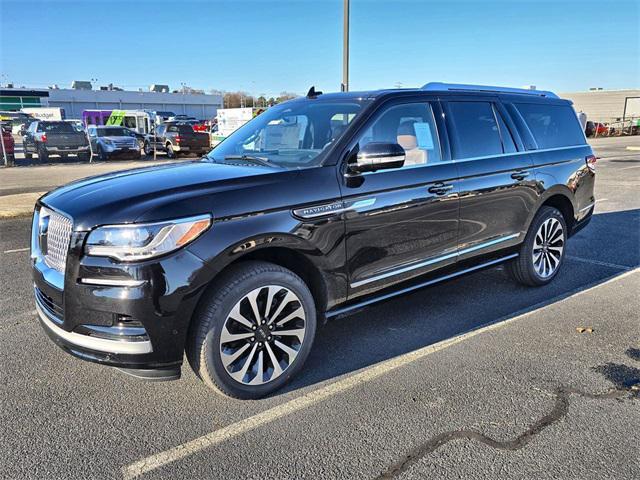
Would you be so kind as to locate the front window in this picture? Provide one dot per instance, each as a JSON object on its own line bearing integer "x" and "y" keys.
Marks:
{"x": 114, "y": 132}
{"x": 410, "y": 125}
{"x": 291, "y": 135}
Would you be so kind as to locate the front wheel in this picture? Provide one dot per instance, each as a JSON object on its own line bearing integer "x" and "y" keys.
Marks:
{"x": 254, "y": 330}
{"x": 542, "y": 252}
{"x": 147, "y": 149}
{"x": 102, "y": 155}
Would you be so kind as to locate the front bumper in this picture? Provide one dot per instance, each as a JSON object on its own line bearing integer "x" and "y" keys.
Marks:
{"x": 72, "y": 340}
{"x": 115, "y": 150}
{"x": 134, "y": 316}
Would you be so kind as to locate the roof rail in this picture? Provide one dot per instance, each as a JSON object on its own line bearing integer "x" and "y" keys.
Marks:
{"x": 452, "y": 87}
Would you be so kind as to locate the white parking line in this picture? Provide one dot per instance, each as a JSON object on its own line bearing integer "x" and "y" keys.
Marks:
{"x": 16, "y": 250}
{"x": 229, "y": 432}
{"x": 598, "y": 262}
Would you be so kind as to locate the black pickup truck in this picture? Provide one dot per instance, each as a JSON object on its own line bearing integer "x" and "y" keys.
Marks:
{"x": 175, "y": 139}
{"x": 55, "y": 138}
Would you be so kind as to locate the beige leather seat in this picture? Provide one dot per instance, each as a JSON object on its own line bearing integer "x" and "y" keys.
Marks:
{"x": 407, "y": 139}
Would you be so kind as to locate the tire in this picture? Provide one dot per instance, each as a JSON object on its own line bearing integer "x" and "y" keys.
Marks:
{"x": 206, "y": 347}
{"x": 43, "y": 155}
{"x": 170, "y": 152}
{"x": 147, "y": 149}
{"x": 549, "y": 245}
{"x": 102, "y": 155}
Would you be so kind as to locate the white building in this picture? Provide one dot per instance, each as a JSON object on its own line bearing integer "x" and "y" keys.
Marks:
{"x": 75, "y": 101}
{"x": 606, "y": 105}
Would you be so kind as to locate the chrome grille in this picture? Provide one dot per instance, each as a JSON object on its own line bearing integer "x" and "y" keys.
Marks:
{"x": 58, "y": 238}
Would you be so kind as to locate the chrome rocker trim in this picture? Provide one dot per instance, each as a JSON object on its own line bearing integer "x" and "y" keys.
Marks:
{"x": 359, "y": 305}
{"x": 431, "y": 261}
{"x": 92, "y": 343}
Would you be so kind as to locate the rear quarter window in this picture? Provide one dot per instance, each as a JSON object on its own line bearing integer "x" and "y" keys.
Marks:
{"x": 552, "y": 126}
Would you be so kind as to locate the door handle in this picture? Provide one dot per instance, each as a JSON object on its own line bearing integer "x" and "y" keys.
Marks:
{"x": 520, "y": 175}
{"x": 440, "y": 188}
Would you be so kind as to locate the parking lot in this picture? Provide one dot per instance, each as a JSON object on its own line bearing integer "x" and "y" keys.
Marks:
{"x": 473, "y": 378}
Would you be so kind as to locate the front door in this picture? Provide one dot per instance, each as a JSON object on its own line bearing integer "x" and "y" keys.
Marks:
{"x": 497, "y": 181}
{"x": 401, "y": 222}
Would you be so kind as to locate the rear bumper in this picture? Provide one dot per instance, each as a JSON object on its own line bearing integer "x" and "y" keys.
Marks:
{"x": 584, "y": 220}
{"x": 61, "y": 150}
{"x": 189, "y": 148}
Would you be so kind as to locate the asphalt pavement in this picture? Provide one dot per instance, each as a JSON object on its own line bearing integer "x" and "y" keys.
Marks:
{"x": 474, "y": 378}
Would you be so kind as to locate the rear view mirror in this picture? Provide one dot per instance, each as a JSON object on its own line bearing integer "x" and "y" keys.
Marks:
{"x": 378, "y": 156}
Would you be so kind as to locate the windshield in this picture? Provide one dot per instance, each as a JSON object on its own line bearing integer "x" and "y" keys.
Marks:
{"x": 114, "y": 132}
{"x": 291, "y": 135}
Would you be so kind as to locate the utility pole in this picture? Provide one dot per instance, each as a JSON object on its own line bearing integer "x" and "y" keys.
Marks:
{"x": 345, "y": 49}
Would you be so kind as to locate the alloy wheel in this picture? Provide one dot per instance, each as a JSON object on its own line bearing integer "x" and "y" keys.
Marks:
{"x": 262, "y": 335}
{"x": 548, "y": 247}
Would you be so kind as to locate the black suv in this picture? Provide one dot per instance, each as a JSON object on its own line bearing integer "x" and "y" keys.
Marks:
{"x": 317, "y": 207}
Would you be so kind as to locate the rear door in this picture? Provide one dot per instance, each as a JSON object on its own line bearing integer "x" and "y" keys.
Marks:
{"x": 401, "y": 222}
{"x": 497, "y": 181}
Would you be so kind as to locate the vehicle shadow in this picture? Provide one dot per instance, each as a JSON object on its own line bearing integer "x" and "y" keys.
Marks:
{"x": 608, "y": 247}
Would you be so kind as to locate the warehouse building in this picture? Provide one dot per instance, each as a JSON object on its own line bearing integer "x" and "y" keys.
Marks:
{"x": 83, "y": 97}
{"x": 606, "y": 105}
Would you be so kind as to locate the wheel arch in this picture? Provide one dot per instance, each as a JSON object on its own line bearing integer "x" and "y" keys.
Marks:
{"x": 288, "y": 251}
{"x": 559, "y": 197}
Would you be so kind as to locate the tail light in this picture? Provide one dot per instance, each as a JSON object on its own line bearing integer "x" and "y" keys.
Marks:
{"x": 44, "y": 137}
{"x": 177, "y": 138}
{"x": 591, "y": 162}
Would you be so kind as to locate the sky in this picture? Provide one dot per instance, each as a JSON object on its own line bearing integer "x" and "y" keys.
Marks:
{"x": 266, "y": 47}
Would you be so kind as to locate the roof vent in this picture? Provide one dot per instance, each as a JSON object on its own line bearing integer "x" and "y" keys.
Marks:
{"x": 81, "y": 85}
{"x": 159, "y": 88}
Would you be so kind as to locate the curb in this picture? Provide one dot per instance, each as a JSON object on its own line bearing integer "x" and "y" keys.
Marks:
{"x": 18, "y": 205}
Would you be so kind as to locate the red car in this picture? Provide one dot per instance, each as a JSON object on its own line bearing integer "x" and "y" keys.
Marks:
{"x": 8, "y": 144}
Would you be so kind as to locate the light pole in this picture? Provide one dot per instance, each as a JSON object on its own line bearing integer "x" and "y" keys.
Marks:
{"x": 345, "y": 49}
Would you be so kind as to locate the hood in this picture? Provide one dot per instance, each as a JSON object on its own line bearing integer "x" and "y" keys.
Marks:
{"x": 124, "y": 196}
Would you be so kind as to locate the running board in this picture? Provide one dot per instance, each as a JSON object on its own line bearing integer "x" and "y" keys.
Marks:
{"x": 356, "y": 306}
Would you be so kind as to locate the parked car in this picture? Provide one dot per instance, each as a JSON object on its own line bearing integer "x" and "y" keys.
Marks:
{"x": 595, "y": 128}
{"x": 8, "y": 144}
{"x": 112, "y": 142}
{"x": 318, "y": 207}
{"x": 176, "y": 138}
{"x": 45, "y": 138}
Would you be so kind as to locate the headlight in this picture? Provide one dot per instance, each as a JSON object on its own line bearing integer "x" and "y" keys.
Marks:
{"x": 142, "y": 241}
{"x": 108, "y": 142}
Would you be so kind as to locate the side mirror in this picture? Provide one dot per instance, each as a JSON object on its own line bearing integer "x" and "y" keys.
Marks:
{"x": 377, "y": 156}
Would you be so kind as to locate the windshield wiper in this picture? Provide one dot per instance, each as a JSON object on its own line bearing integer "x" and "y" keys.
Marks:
{"x": 251, "y": 158}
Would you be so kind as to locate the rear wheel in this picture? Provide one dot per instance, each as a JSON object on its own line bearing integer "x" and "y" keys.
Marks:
{"x": 254, "y": 331}
{"x": 542, "y": 252}
{"x": 170, "y": 152}
{"x": 43, "y": 155}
